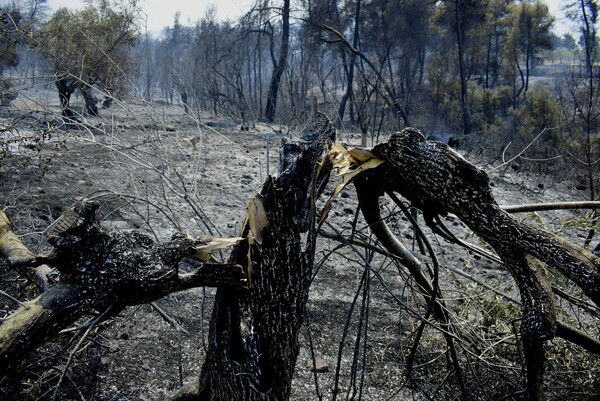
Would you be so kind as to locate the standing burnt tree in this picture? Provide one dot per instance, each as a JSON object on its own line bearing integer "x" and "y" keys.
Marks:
{"x": 260, "y": 305}
{"x": 279, "y": 62}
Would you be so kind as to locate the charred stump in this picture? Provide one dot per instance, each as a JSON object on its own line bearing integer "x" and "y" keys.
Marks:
{"x": 254, "y": 332}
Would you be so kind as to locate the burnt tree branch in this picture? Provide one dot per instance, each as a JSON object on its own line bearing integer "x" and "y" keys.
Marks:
{"x": 439, "y": 181}
{"x": 100, "y": 268}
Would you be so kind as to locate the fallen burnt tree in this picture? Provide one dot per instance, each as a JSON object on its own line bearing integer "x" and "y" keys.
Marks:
{"x": 263, "y": 289}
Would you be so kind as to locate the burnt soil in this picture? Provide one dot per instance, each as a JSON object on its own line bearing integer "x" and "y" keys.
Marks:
{"x": 156, "y": 170}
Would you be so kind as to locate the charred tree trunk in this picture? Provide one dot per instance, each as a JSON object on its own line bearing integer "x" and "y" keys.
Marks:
{"x": 254, "y": 333}
{"x": 280, "y": 64}
{"x": 184, "y": 100}
{"x": 438, "y": 181}
{"x": 65, "y": 89}
{"x": 91, "y": 103}
{"x": 349, "y": 94}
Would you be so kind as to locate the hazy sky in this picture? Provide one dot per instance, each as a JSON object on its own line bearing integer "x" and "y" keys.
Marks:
{"x": 162, "y": 12}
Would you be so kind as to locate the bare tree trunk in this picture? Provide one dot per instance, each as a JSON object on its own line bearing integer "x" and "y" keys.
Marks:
{"x": 349, "y": 95}
{"x": 65, "y": 89}
{"x": 254, "y": 334}
{"x": 461, "y": 67}
{"x": 279, "y": 65}
{"x": 91, "y": 106}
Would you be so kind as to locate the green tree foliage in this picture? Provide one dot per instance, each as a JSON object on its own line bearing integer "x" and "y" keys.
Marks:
{"x": 585, "y": 14}
{"x": 528, "y": 25}
{"x": 538, "y": 115}
{"x": 17, "y": 22}
{"x": 90, "y": 49}
{"x": 456, "y": 19}
{"x": 18, "y": 19}
{"x": 494, "y": 34}
{"x": 582, "y": 104}
{"x": 399, "y": 32}
{"x": 10, "y": 35}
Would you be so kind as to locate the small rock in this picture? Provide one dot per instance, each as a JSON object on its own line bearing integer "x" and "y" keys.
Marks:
{"x": 319, "y": 366}
{"x": 104, "y": 360}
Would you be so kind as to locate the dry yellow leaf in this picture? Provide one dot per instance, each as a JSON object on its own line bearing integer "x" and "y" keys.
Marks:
{"x": 349, "y": 162}
{"x": 257, "y": 217}
{"x": 207, "y": 246}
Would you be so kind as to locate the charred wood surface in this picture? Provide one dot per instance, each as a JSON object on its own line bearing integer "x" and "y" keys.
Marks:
{"x": 100, "y": 268}
{"x": 254, "y": 333}
{"x": 263, "y": 289}
{"x": 437, "y": 180}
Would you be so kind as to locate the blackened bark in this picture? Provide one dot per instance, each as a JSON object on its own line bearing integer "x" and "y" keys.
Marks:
{"x": 91, "y": 106}
{"x": 65, "y": 89}
{"x": 439, "y": 181}
{"x": 254, "y": 333}
{"x": 184, "y": 100}
{"x": 99, "y": 269}
{"x": 107, "y": 102}
{"x": 279, "y": 65}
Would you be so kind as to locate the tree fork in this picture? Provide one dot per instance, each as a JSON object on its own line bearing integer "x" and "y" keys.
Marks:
{"x": 369, "y": 205}
{"x": 439, "y": 181}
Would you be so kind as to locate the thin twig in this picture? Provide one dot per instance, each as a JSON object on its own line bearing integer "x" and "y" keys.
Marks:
{"x": 15, "y": 300}
{"x": 63, "y": 372}
{"x": 522, "y": 150}
{"x": 537, "y": 207}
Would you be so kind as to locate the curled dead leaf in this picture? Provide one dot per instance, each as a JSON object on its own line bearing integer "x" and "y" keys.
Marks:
{"x": 350, "y": 162}
{"x": 257, "y": 217}
{"x": 207, "y": 246}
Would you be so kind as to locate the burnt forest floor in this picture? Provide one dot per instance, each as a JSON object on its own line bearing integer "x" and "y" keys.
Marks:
{"x": 154, "y": 169}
